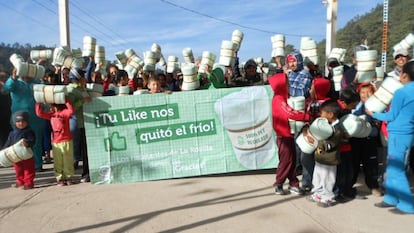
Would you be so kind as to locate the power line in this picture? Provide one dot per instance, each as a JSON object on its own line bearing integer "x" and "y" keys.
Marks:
{"x": 105, "y": 35}
{"x": 230, "y": 22}
{"x": 28, "y": 16}
{"x": 45, "y": 7}
{"x": 78, "y": 25}
{"x": 96, "y": 19}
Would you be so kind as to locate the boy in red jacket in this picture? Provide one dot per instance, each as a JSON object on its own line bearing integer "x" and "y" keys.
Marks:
{"x": 285, "y": 142}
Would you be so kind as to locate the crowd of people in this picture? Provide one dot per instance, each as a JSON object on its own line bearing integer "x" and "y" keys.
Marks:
{"x": 329, "y": 174}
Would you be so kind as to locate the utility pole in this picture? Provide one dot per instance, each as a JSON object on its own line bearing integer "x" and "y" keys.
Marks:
{"x": 64, "y": 23}
{"x": 331, "y": 18}
{"x": 384, "y": 35}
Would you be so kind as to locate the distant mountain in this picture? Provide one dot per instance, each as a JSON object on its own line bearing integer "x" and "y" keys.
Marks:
{"x": 370, "y": 27}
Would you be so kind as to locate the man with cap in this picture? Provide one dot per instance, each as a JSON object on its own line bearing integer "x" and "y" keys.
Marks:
{"x": 400, "y": 58}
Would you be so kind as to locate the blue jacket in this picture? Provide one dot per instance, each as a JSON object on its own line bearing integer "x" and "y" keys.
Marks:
{"x": 21, "y": 93}
{"x": 18, "y": 134}
{"x": 400, "y": 117}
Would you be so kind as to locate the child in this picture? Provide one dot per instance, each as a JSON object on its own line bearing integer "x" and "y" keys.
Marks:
{"x": 25, "y": 169}
{"x": 364, "y": 150}
{"x": 348, "y": 100}
{"x": 318, "y": 94}
{"x": 62, "y": 143}
{"x": 154, "y": 86}
{"x": 50, "y": 79}
{"x": 282, "y": 112}
{"x": 120, "y": 80}
{"x": 400, "y": 118}
{"x": 327, "y": 157}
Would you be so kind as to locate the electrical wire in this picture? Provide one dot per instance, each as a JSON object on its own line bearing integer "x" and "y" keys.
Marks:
{"x": 230, "y": 22}
{"x": 29, "y": 17}
{"x": 99, "y": 21}
{"x": 79, "y": 25}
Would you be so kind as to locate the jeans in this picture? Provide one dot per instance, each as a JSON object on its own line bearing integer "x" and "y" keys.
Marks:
{"x": 74, "y": 130}
{"x": 308, "y": 165}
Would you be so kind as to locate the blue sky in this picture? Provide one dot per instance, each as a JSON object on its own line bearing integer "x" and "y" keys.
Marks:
{"x": 173, "y": 24}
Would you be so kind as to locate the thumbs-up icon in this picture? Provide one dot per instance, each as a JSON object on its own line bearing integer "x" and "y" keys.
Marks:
{"x": 115, "y": 142}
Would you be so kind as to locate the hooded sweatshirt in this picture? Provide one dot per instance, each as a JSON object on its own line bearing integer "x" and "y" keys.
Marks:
{"x": 281, "y": 111}
{"x": 300, "y": 79}
{"x": 322, "y": 87}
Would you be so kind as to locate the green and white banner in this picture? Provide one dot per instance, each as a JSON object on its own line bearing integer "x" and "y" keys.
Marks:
{"x": 192, "y": 133}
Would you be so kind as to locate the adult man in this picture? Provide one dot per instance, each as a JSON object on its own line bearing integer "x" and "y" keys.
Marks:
{"x": 250, "y": 77}
{"x": 300, "y": 80}
{"x": 400, "y": 118}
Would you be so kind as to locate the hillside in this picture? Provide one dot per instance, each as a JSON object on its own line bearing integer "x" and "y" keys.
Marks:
{"x": 369, "y": 26}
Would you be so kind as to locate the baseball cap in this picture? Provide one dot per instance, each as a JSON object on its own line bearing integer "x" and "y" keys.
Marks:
{"x": 401, "y": 51}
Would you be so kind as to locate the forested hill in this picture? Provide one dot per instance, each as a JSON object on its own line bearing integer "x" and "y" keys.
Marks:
{"x": 370, "y": 25}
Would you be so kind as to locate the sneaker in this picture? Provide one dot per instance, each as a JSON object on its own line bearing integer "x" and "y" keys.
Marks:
{"x": 377, "y": 192}
{"x": 85, "y": 179}
{"x": 69, "y": 182}
{"x": 383, "y": 205}
{"x": 313, "y": 198}
{"x": 399, "y": 212}
{"x": 26, "y": 187}
{"x": 325, "y": 204}
{"x": 60, "y": 183}
{"x": 342, "y": 199}
{"x": 279, "y": 190}
{"x": 307, "y": 188}
{"x": 296, "y": 190}
{"x": 47, "y": 160}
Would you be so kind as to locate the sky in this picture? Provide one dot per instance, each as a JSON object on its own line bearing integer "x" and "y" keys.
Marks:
{"x": 174, "y": 24}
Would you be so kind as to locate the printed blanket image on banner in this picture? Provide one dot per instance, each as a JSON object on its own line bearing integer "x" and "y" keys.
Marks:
{"x": 159, "y": 136}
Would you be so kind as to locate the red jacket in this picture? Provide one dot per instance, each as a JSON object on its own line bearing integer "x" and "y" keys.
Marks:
{"x": 281, "y": 111}
{"x": 59, "y": 122}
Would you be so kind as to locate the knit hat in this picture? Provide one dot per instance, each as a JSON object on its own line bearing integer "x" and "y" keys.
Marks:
{"x": 75, "y": 74}
{"x": 250, "y": 62}
{"x": 20, "y": 116}
{"x": 332, "y": 62}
